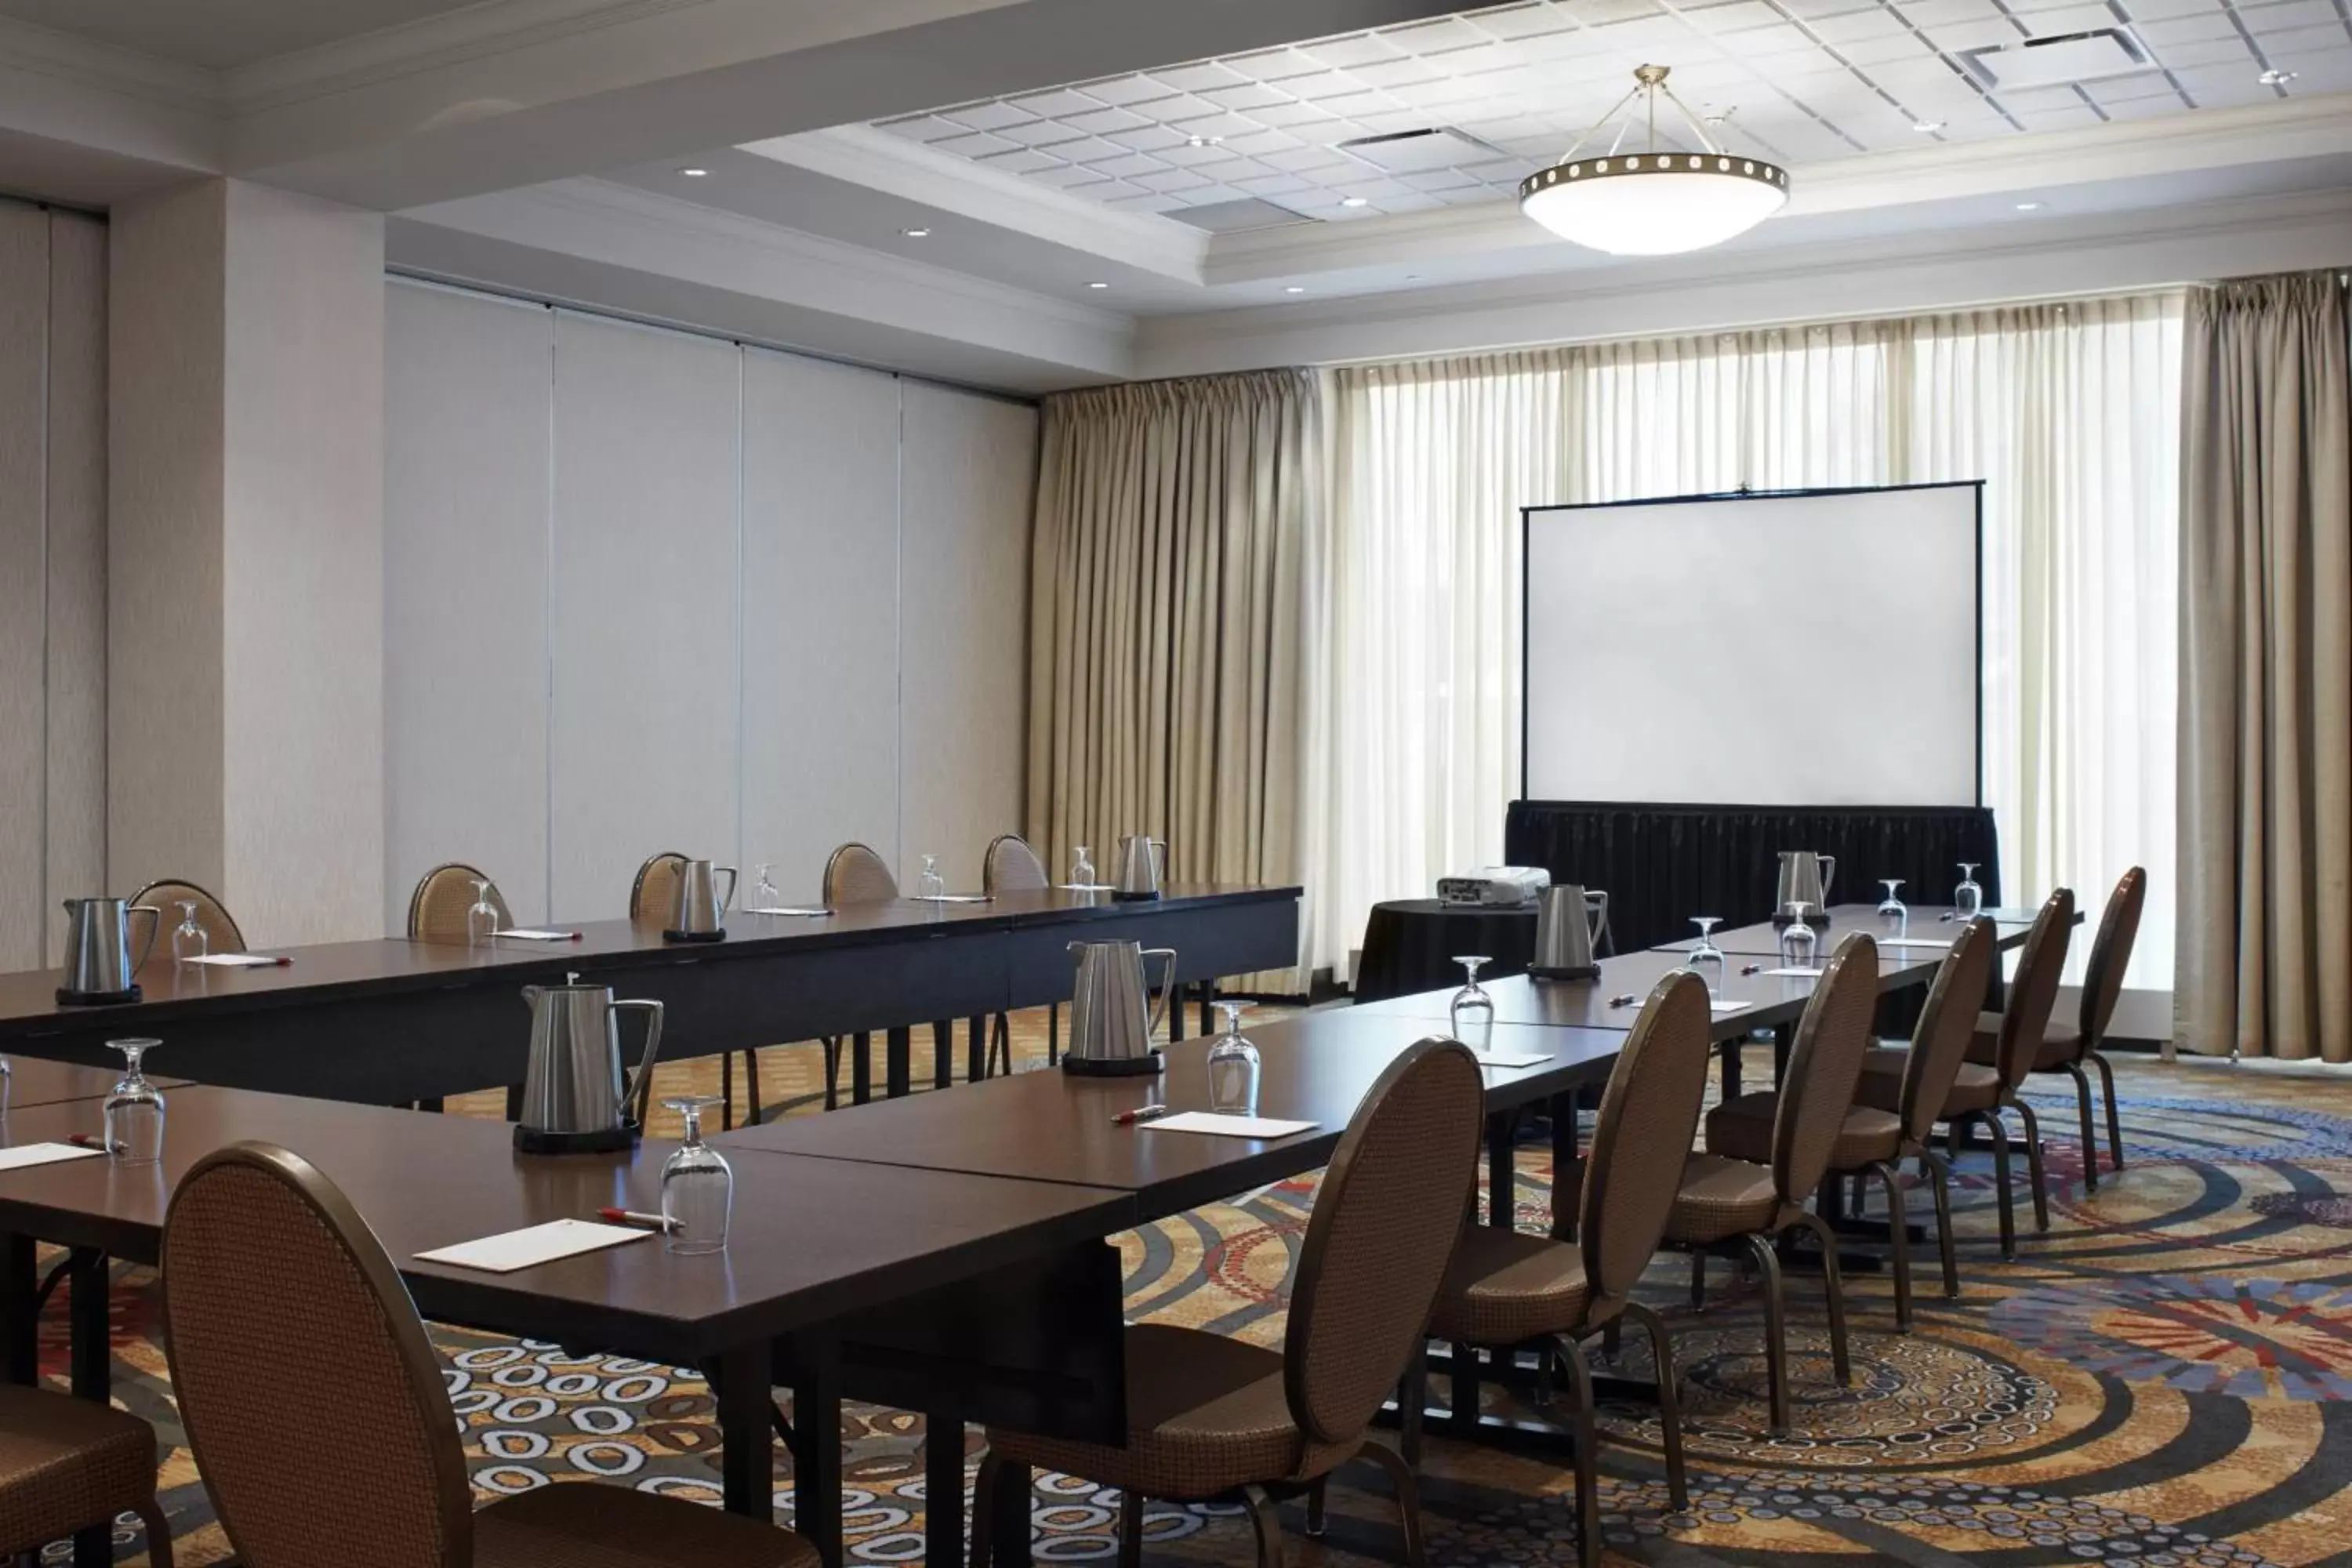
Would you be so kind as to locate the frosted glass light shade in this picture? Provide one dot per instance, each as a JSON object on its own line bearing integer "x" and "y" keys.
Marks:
{"x": 1654, "y": 204}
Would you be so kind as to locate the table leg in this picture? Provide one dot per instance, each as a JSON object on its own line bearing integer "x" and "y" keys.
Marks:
{"x": 942, "y": 1054}
{"x": 1784, "y": 1041}
{"x": 1502, "y": 1169}
{"x": 1175, "y": 1012}
{"x": 1566, "y": 1164}
{"x": 897, "y": 1069}
{"x": 817, "y": 1457}
{"x": 861, "y": 1068}
{"x": 93, "y": 1366}
{"x": 1009, "y": 1515}
{"x": 1208, "y": 1006}
{"x": 1730, "y": 1049}
{"x": 944, "y": 1516}
{"x": 975, "y": 1050}
{"x": 20, "y": 1258}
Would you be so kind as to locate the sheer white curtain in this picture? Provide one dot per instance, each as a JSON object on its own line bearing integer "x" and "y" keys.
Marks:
{"x": 2070, "y": 412}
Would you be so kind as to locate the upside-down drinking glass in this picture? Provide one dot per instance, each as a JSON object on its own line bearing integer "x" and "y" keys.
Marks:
{"x": 189, "y": 939}
{"x": 1704, "y": 951}
{"x": 1891, "y": 912}
{"x": 697, "y": 1186}
{"x": 1473, "y": 1012}
{"x": 930, "y": 884}
{"x": 1968, "y": 899}
{"x": 1233, "y": 1068}
{"x": 1082, "y": 875}
{"x": 134, "y": 1110}
{"x": 481, "y": 916}
{"x": 1798, "y": 943}
{"x": 763, "y": 891}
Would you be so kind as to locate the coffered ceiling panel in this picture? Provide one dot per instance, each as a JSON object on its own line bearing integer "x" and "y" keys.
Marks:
{"x": 1803, "y": 81}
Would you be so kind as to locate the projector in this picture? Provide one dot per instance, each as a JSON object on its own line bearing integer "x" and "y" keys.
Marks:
{"x": 1500, "y": 887}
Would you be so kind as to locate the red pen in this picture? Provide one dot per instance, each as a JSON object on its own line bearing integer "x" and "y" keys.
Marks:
{"x": 89, "y": 1140}
{"x": 642, "y": 1221}
{"x": 1140, "y": 1114}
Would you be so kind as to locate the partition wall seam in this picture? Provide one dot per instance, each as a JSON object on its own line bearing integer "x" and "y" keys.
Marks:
{"x": 898, "y": 631}
{"x": 48, "y": 672}
{"x": 546, "y": 641}
{"x": 742, "y": 763}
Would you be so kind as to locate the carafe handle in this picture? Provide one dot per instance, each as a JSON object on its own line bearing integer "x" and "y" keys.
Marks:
{"x": 1167, "y": 988}
{"x": 1159, "y": 862}
{"x": 641, "y": 1080}
{"x": 1828, "y": 876}
{"x": 1596, "y": 904}
{"x": 154, "y": 929}
{"x": 733, "y": 876}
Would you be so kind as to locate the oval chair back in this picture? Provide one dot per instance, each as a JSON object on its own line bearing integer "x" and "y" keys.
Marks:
{"x": 654, "y": 895}
{"x": 1948, "y": 1022}
{"x": 1643, "y": 1135}
{"x": 1817, "y": 1090}
{"x": 1380, "y": 1236}
{"x": 1011, "y": 867}
{"x": 444, "y": 895}
{"x": 221, "y": 932}
{"x": 2111, "y": 951}
{"x": 2026, "y": 1018}
{"x": 853, "y": 874}
{"x": 374, "y": 1474}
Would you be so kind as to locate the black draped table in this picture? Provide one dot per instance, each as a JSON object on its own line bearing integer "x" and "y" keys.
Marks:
{"x": 1663, "y": 864}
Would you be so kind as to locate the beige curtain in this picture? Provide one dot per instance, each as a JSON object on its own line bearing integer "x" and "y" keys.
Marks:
{"x": 2264, "y": 964}
{"x": 1167, "y": 614}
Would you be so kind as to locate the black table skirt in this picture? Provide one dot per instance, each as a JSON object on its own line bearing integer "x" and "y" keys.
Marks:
{"x": 1410, "y": 945}
{"x": 1663, "y": 864}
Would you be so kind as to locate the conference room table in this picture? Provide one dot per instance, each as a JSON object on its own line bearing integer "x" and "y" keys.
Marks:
{"x": 1933, "y": 925}
{"x": 397, "y": 1020}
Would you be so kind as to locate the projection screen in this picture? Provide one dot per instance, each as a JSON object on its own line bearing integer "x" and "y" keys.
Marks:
{"x": 1815, "y": 647}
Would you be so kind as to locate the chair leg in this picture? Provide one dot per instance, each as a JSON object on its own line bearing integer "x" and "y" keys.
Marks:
{"x": 2033, "y": 1166}
{"x": 832, "y": 1071}
{"x": 983, "y": 1510}
{"x": 1776, "y": 1330}
{"x": 1052, "y": 1034}
{"x": 752, "y": 1085}
{"x": 1587, "y": 1441}
{"x": 1670, "y": 1415}
{"x": 2090, "y": 1139}
{"x": 1131, "y": 1529}
{"x": 1412, "y": 1402}
{"x": 514, "y": 1102}
{"x": 1899, "y": 1230}
{"x": 2115, "y": 1117}
{"x": 1268, "y": 1525}
{"x": 1000, "y": 1047}
{"x": 1698, "y": 1280}
{"x": 1317, "y": 1503}
{"x": 1832, "y": 1293}
{"x": 1407, "y": 1495}
{"x": 726, "y": 1091}
{"x": 158, "y": 1534}
{"x": 1940, "y": 1174}
{"x": 2000, "y": 1183}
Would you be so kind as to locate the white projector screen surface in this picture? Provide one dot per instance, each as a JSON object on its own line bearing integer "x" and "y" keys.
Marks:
{"x": 1794, "y": 649}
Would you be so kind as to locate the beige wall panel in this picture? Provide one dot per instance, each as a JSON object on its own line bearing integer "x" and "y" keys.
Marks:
{"x": 24, "y": 746}
{"x": 76, "y": 566}
{"x": 467, "y": 406}
{"x": 970, "y": 473}
{"x": 821, "y": 613}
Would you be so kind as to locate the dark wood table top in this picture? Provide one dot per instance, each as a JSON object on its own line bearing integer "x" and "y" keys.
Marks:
{"x": 1770, "y": 999}
{"x": 391, "y": 964}
{"x": 1928, "y": 923}
{"x": 32, "y": 1082}
{"x": 1052, "y": 1126}
{"x": 811, "y": 1240}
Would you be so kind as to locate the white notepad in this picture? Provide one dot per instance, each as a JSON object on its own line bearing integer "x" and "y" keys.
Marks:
{"x": 238, "y": 960}
{"x": 1228, "y": 1126}
{"x": 533, "y": 1244}
{"x": 1511, "y": 1059}
{"x": 953, "y": 897}
{"x": 540, "y": 935}
{"x": 1913, "y": 941}
{"x": 1728, "y": 1006}
{"x": 799, "y": 911}
{"x": 1086, "y": 887}
{"x": 44, "y": 1154}
{"x": 1796, "y": 971}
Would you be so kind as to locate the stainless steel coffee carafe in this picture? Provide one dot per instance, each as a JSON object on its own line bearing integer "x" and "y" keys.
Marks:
{"x": 1112, "y": 1016}
{"x": 1142, "y": 862}
{"x": 698, "y": 911}
{"x": 99, "y": 962}
{"x": 1805, "y": 877}
{"x": 576, "y": 1098}
{"x": 1569, "y": 925}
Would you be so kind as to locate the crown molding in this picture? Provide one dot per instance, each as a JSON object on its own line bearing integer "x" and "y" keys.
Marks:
{"x": 87, "y": 63}
{"x": 895, "y": 166}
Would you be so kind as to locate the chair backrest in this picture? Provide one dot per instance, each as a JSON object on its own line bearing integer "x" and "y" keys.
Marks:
{"x": 169, "y": 893}
{"x": 1948, "y": 1022}
{"x": 1824, "y": 1066}
{"x": 274, "y": 1292}
{"x": 2111, "y": 951}
{"x": 1643, "y": 1135}
{"x": 1011, "y": 867}
{"x": 443, "y": 897}
{"x": 2026, "y": 1017}
{"x": 1381, "y": 1236}
{"x": 654, "y": 895}
{"x": 856, "y": 875}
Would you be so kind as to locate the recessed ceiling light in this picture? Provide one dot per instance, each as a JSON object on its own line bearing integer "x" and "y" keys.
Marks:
{"x": 2275, "y": 78}
{"x": 1927, "y": 127}
{"x": 917, "y": 232}
{"x": 1097, "y": 285}
{"x": 1294, "y": 289}
{"x": 695, "y": 173}
{"x": 2029, "y": 206}
{"x": 1354, "y": 200}
{"x": 1202, "y": 141}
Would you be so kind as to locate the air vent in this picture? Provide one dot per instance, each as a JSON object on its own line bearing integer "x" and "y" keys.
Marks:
{"x": 1233, "y": 217}
{"x": 1422, "y": 152}
{"x": 2058, "y": 61}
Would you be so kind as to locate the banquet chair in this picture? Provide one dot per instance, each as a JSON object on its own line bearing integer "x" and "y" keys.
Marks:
{"x": 653, "y": 901}
{"x": 1875, "y": 1139}
{"x": 169, "y": 893}
{"x": 69, "y": 1465}
{"x": 1725, "y": 1199}
{"x": 1507, "y": 1288}
{"x": 853, "y": 874}
{"x": 2065, "y": 1047}
{"x": 375, "y": 1474}
{"x": 1011, "y": 867}
{"x": 1209, "y": 1417}
{"x": 438, "y": 912}
{"x": 1980, "y": 1092}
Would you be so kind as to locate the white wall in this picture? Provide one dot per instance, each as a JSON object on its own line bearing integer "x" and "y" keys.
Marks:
{"x": 649, "y": 591}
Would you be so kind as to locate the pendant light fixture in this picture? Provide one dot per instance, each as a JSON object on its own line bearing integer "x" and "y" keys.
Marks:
{"x": 1653, "y": 202}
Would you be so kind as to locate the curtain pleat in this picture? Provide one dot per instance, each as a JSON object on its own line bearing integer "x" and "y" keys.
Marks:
{"x": 1169, "y": 598}
{"x": 2265, "y": 779}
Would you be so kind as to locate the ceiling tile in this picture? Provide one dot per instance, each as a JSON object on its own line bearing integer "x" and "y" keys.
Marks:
{"x": 987, "y": 116}
{"x": 1131, "y": 166}
{"x": 1257, "y": 141}
{"x": 1299, "y": 117}
{"x": 1149, "y": 138}
{"x": 1876, "y": 23}
{"x": 1274, "y": 185}
{"x": 2077, "y": 18}
{"x": 2284, "y": 46}
{"x": 1089, "y": 150}
{"x": 2323, "y": 71}
{"x": 976, "y": 145}
{"x": 1065, "y": 175}
{"x": 1041, "y": 133}
{"x": 1123, "y": 89}
{"x": 2288, "y": 15}
{"x": 1248, "y": 95}
{"x": 1524, "y": 21}
{"x": 1958, "y": 37}
{"x": 1396, "y": 72}
{"x": 1098, "y": 121}
{"x": 925, "y": 128}
{"x": 2230, "y": 50}
{"x": 1814, "y": 10}
{"x": 1433, "y": 37}
{"x": 1305, "y": 158}
{"x": 2147, "y": 10}
{"x": 1928, "y": 13}
{"x": 1146, "y": 202}
{"x": 2185, "y": 29}
{"x": 1168, "y": 180}
{"x": 2145, "y": 108}
{"x": 1022, "y": 161}
{"x": 1733, "y": 16}
{"x": 1194, "y": 79}
{"x": 1894, "y": 47}
{"x": 2074, "y": 119}
{"x": 1055, "y": 104}
{"x": 1273, "y": 64}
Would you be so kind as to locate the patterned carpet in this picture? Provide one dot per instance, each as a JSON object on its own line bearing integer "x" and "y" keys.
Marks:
{"x": 2165, "y": 1379}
